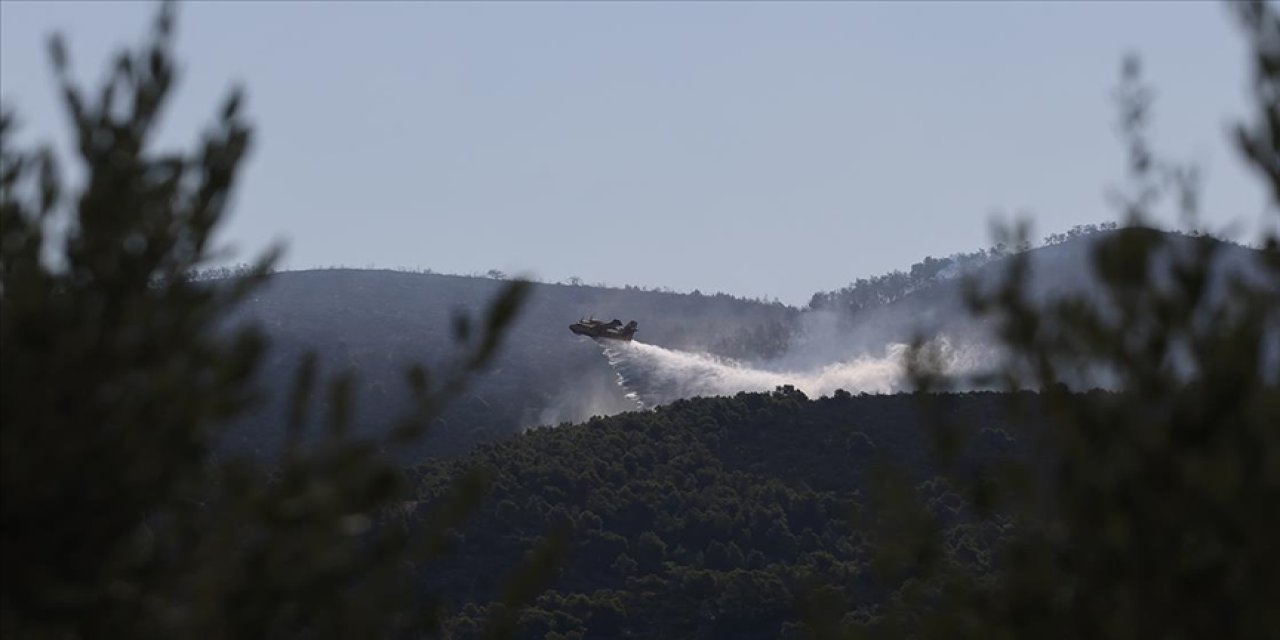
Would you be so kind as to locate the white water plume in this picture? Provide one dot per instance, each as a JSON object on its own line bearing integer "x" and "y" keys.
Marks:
{"x": 653, "y": 375}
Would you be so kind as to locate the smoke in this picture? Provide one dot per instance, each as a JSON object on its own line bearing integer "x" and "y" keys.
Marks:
{"x": 652, "y": 375}
{"x": 828, "y": 352}
{"x": 593, "y": 393}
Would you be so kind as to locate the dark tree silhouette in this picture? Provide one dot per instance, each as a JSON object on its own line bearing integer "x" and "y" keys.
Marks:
{"x": 118, "y": 372}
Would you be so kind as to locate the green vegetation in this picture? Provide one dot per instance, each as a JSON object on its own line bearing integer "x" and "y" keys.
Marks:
{"x": 711, "y": 517}
{"x": 877, "y": 291}
{"x": 117, "y": 376}
{"x": 1156, "y": 515}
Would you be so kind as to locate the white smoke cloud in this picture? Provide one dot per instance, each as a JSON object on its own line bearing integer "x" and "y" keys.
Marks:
{"x": 585, "y": 396}
{"x": 827, "y": 353}
{"x": 653, "y": 375}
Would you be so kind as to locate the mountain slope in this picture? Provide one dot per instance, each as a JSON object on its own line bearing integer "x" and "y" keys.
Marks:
{"x": 851, "y": 323}
{"x": 378, "y": 322}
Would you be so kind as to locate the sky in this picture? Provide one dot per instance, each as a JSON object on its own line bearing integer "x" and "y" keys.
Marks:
{"x": 758, "y": 149}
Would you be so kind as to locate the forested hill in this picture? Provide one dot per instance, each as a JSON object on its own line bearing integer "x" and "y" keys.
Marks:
{"x": 743, "y": 504}
{"x": 1062, "y": 263}
{"x": 929, "y": 298}
{"x": 378, "y": 322}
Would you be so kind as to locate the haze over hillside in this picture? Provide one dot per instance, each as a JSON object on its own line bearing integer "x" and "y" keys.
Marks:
{"x": 378, "y": 322}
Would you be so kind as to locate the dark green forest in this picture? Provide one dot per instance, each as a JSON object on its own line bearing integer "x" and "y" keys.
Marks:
{"x": 711, "y": 517}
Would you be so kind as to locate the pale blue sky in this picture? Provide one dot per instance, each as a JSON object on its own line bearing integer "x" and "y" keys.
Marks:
{"x": 761, "y": 149}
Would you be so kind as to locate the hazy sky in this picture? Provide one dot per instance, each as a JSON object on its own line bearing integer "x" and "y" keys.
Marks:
{"x": 761, "y": 149}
